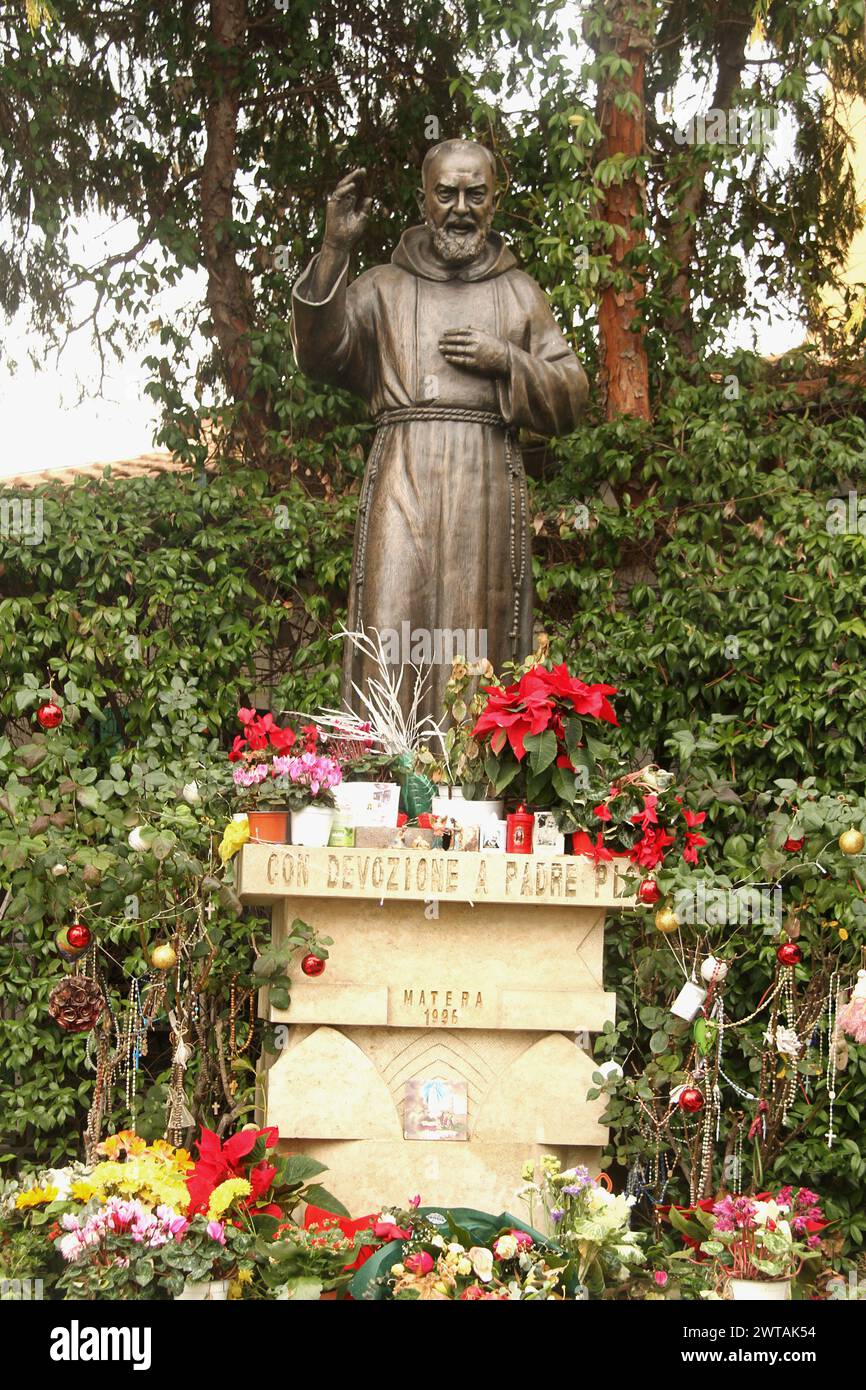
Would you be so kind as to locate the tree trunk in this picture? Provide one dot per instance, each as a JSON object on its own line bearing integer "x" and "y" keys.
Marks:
{"x": 732, "y": 37}
{"x": 624, "y": 373}
{"x": 228, "y": 291}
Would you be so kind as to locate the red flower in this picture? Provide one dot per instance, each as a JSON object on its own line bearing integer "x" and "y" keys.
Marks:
{"x": 582, "y": 844}
{"x": 238, "y": 749}
{"x": 218, "y": 1161}
{"x": 647, "y": 816}
{"x": 585, "y": 699}
{"x": 388, "y": 1230}
{"x": 649, "y": 851}
{"x": 602, "y": 811}
{"x": 514, "y": 712}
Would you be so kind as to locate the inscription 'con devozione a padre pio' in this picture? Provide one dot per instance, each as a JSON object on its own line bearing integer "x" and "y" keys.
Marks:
{"x": 413, "y": 873}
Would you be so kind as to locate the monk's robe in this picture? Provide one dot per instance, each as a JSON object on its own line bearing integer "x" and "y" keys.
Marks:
{"x": 442, "y": 541}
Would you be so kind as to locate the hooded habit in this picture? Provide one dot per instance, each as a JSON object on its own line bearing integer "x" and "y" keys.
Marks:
{"x": 442, "y": 540}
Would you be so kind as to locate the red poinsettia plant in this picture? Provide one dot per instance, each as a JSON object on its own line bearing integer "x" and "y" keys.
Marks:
{"x": 277, "y": 1183}
{"x": 531, "y": 734}
{"x": 537, "y": 740}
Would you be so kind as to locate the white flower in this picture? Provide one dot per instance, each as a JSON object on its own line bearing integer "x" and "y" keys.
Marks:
{"x": 438, "y": 1242}
{"x": 482, "y": 1262}
{"x": 398, "y": 1268}
{"x": 464, "y": 1266}
{"x": 505, "y": 1248}
{"x": 191, "y": 793}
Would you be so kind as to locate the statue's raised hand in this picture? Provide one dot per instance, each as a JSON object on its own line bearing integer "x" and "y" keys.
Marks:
{"x": 348, "y": 211}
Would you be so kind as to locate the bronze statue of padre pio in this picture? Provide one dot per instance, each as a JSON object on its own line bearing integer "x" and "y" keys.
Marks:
{"x": 454, "y": 348}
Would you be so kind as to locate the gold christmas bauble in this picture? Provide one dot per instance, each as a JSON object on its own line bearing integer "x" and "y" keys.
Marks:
{"x": 851, "y": 841}
{"x": 666, "y": 920}
{"x": 163, "y": 957}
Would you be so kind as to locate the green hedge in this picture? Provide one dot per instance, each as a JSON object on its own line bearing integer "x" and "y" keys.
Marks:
{"x": 701, "y": 579}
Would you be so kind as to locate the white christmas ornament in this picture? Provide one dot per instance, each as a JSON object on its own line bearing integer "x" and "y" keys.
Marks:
{"x": 609, "y": 1069}
{"x": 136, "y": 840}
{"x": 713, "y": 971}
{"x": 191, "y": 793}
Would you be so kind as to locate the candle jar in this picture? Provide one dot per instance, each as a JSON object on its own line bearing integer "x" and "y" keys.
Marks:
{"x": 518, "y": 834}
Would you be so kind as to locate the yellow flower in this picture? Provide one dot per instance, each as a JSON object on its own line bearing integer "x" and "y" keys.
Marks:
{"x": 222, "y": 1197}
{"x": 82, "y": 1191}
{"x": 35, "y": 1197}
{"x": 244, "y": 1276}
{"x": 843, "y": 933}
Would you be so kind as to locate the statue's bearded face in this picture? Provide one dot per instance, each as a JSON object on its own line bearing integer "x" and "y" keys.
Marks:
{"x": 458, "y": 202}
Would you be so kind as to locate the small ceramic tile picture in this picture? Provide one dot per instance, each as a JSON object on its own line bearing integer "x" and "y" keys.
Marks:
{"x": 436, "y": 1108}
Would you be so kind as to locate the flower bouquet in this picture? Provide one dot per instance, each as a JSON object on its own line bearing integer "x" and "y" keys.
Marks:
{"x": 442, "y": 1260}
{"x": 590, "y": 1223}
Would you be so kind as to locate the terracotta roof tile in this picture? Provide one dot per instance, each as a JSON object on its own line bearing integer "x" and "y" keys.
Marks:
{"x": 145, "y": 466}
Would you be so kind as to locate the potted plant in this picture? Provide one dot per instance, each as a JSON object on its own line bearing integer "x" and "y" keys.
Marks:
{"x": 369, "y": 792}
{"x": 464, "y": 791}
{"x": 530, "y": 734}
{"x": 309, "y": 779}
{"x": 254, "y": 753}
{"x": 759, "y": 1244}
{"x": 388, "y": 725}
{"x": 305, "y": 1264}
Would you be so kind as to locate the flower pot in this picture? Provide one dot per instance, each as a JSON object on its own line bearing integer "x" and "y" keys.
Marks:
{"x": 205, "y": 1291}
{"x": 268, "y": 827}
{"x": 311, "y": 827}
{"x": 465, "y": 812}
{"x": 761, "y": 1290}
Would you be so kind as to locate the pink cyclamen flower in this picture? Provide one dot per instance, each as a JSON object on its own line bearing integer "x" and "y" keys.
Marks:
{"x": 660, "y": 1278}
{"x": 216, "y": 1231}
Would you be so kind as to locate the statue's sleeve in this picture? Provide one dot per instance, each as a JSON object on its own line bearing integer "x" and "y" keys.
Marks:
{"x": 545, "y": 389}
{"x": 334, "y": 337}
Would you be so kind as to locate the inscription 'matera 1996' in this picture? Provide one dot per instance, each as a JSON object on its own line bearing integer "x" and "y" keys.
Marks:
{"x": 417, "y": 874}
{"x": 446, "y": 1007}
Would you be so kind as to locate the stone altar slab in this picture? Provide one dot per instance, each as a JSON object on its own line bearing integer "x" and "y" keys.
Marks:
{"x": 484, "y": 988}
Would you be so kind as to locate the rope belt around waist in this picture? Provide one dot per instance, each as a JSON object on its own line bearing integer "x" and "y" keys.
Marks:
{"x": 440, "y": 412}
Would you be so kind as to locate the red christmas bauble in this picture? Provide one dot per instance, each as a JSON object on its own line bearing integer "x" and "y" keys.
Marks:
{"x": 789, "y": 954}
{"x": 78, "y": 936}
{"x": 649, "y": 892}
{"x": 690, "y": 1100}
{"x": 312, "y": 965}
{"x": 794, "y": 846}
{"x": 50, "y": 715}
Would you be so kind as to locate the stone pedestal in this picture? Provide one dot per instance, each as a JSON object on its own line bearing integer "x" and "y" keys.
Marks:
{"x": 472, "y": 971}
